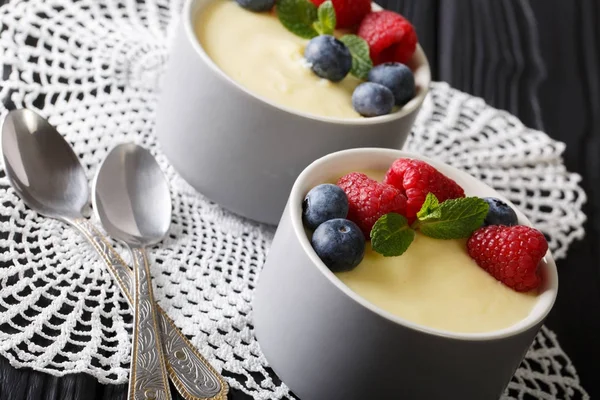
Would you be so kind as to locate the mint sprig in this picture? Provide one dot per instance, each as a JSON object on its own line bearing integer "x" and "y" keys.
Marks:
{"x": 430, "y": 208}
{"x": 302, "y": 18}
{"x": 326, "y": 20}
{"x": 298, "y": 16}
{"x": 361, "y": 59}
{"x": 451, "y": 219}
{"x": 391, "y": 235}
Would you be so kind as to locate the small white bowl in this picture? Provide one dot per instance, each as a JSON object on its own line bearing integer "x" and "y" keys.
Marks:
{"x": 326, "y": 342}
{"x": 244, "y": 151}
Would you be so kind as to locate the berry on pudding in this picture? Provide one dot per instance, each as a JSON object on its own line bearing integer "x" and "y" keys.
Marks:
{"x": 396, "y": 77}
{"x": 500, "y": 213}
{"x": 328, "y": 57}
{"x": 510, "y": 254}
{"x": 322, "y": 203}
{"x": 349, "y": 13}
{"x": 314, "y": 57}
{"x": 410, "y": 241}
{"x": 256, "y": 5}
{"x": 416, "y": 179}
{"x": 390, "y": 37}
{"x": 339, "y": 243}
{"x": 372, "y": 99}
{"x": 369, "y": 200}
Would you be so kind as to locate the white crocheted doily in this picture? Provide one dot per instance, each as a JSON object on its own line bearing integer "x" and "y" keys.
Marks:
{"x": 93, "y": 67}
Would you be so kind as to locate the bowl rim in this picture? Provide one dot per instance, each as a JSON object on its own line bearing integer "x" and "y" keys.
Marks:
{"x": 540, "y": 310}
{"x": 421, "y": 72}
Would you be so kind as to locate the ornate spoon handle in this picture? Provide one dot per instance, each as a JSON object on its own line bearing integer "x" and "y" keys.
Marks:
{"x": 192, "y": 375}
{"x": 148, "y": 377}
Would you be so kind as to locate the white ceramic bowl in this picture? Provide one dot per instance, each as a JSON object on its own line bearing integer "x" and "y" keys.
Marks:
{"x": 326, "y": 342}
{"x": 244, "y": 151}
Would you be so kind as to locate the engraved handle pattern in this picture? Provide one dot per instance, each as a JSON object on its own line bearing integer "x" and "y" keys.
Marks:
{"x": 113, "y": 261}
{"x": 191, "y": 371}
{"x": 192, "y": 375}
{"x": 148, "y": 378}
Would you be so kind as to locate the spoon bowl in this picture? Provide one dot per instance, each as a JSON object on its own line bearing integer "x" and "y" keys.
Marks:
{"x": 132, "y": 196}
{"x": 42, "y": 167}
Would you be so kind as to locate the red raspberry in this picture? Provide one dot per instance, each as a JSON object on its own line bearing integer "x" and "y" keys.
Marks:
{"x": 416, "y": 178}
{"x": 348, "y": 13}
{"x": 369, "y": 200}
{"x": 390, "y": 37}
{"x": 511, "y": 254}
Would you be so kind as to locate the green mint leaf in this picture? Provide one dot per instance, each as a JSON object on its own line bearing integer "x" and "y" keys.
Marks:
{"x": 391, "y": 235}
{"x": 326, "y": 18}
{"x": 319, "y": 28}
{"x": 298, "y": 16}
{"x": 457, "y": 219}
{"x": 430, "y": 208}
{"x": 361, "y": 60}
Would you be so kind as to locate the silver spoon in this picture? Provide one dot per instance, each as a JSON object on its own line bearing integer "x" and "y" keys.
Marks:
{"x": 132, "y": 199}
{"x": 47, "y": 175}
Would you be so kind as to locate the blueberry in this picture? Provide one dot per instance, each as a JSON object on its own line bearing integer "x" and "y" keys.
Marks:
{"x": 329, "y": 58}
{"x": 500, "y": 213}
{"x": 397, "y": 77}
{"x": 256, "y": 5}
{"x": 339, "y": 243}
{"x": 322, "y": 203}
{"x": 372, "y": 99}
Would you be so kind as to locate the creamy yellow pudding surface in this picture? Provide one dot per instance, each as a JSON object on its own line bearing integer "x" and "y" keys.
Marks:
{"x": 258, "y": 52}
{"x": 437, "y": 284}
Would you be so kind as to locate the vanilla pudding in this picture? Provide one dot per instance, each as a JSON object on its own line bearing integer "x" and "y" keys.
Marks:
{"x": 259, "y": 53}
{"x": 330, "y": 341}
{"x": 437, "y": 284}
